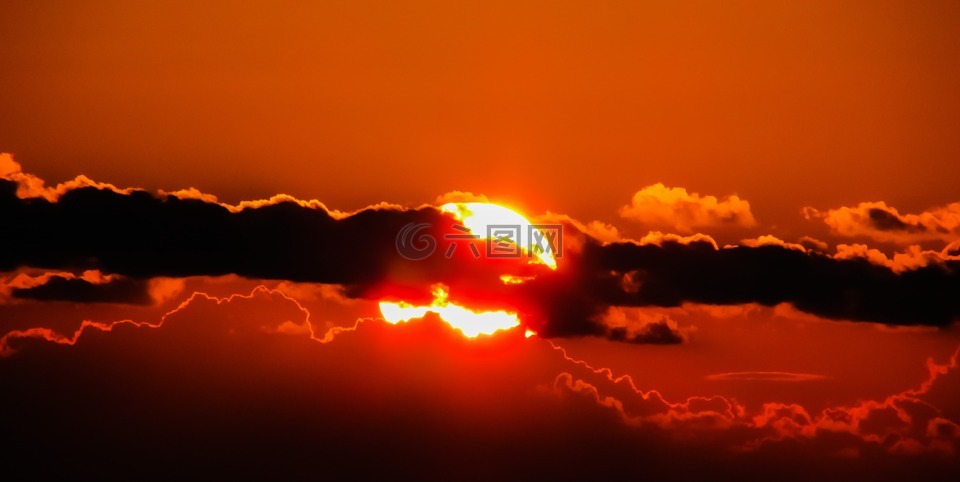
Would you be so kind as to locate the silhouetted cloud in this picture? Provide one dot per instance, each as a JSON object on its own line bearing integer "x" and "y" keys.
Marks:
{"x": 139, "y": 235}
{"x": 122, "y": 290}
{"x": 634, "y": 326}
{"x": 853, "y": 289}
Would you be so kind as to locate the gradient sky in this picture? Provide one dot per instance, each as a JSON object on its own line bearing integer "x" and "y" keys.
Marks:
{"x": 784, "y": 103}
{"x": 813, "y": 143}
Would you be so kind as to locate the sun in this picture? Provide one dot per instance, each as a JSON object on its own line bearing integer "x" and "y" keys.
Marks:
{"x": 478, "y": 217}
{"x": 471, "y": 323}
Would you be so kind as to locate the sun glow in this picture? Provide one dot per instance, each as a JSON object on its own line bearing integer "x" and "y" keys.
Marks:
{"x": 515, "y": 280}
{"x": 478, "y": 217}
{"x": 471, "y": 323}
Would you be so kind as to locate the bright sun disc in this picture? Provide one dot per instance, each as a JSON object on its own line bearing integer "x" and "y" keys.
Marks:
{"x": 477, "y": 217}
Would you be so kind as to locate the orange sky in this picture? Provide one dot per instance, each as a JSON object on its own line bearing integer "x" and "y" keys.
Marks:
{"x": 558, "y": 105}
{"x": 755, "y": 118}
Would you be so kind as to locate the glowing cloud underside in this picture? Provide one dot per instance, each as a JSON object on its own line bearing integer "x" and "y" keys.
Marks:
{"x": 478, "y": 216}
{"x": 468, "y": 322}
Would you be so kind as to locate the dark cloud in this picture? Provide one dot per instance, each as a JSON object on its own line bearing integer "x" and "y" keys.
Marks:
{"x": 885, "y": 220}
{"x": 123, "y": 290}
{"x": 813, "y": 244}
{"x": 673, "y": 274}
{"x": 655, "y": 333}
{"x": 140, "y": 236}
{"x": 953, "y": 249}
{"x": 840, "y": 289}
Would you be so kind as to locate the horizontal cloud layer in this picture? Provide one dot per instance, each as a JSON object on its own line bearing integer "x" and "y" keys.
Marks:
{"x": 853, "y": 289}
{"x": 139, "y": 236}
